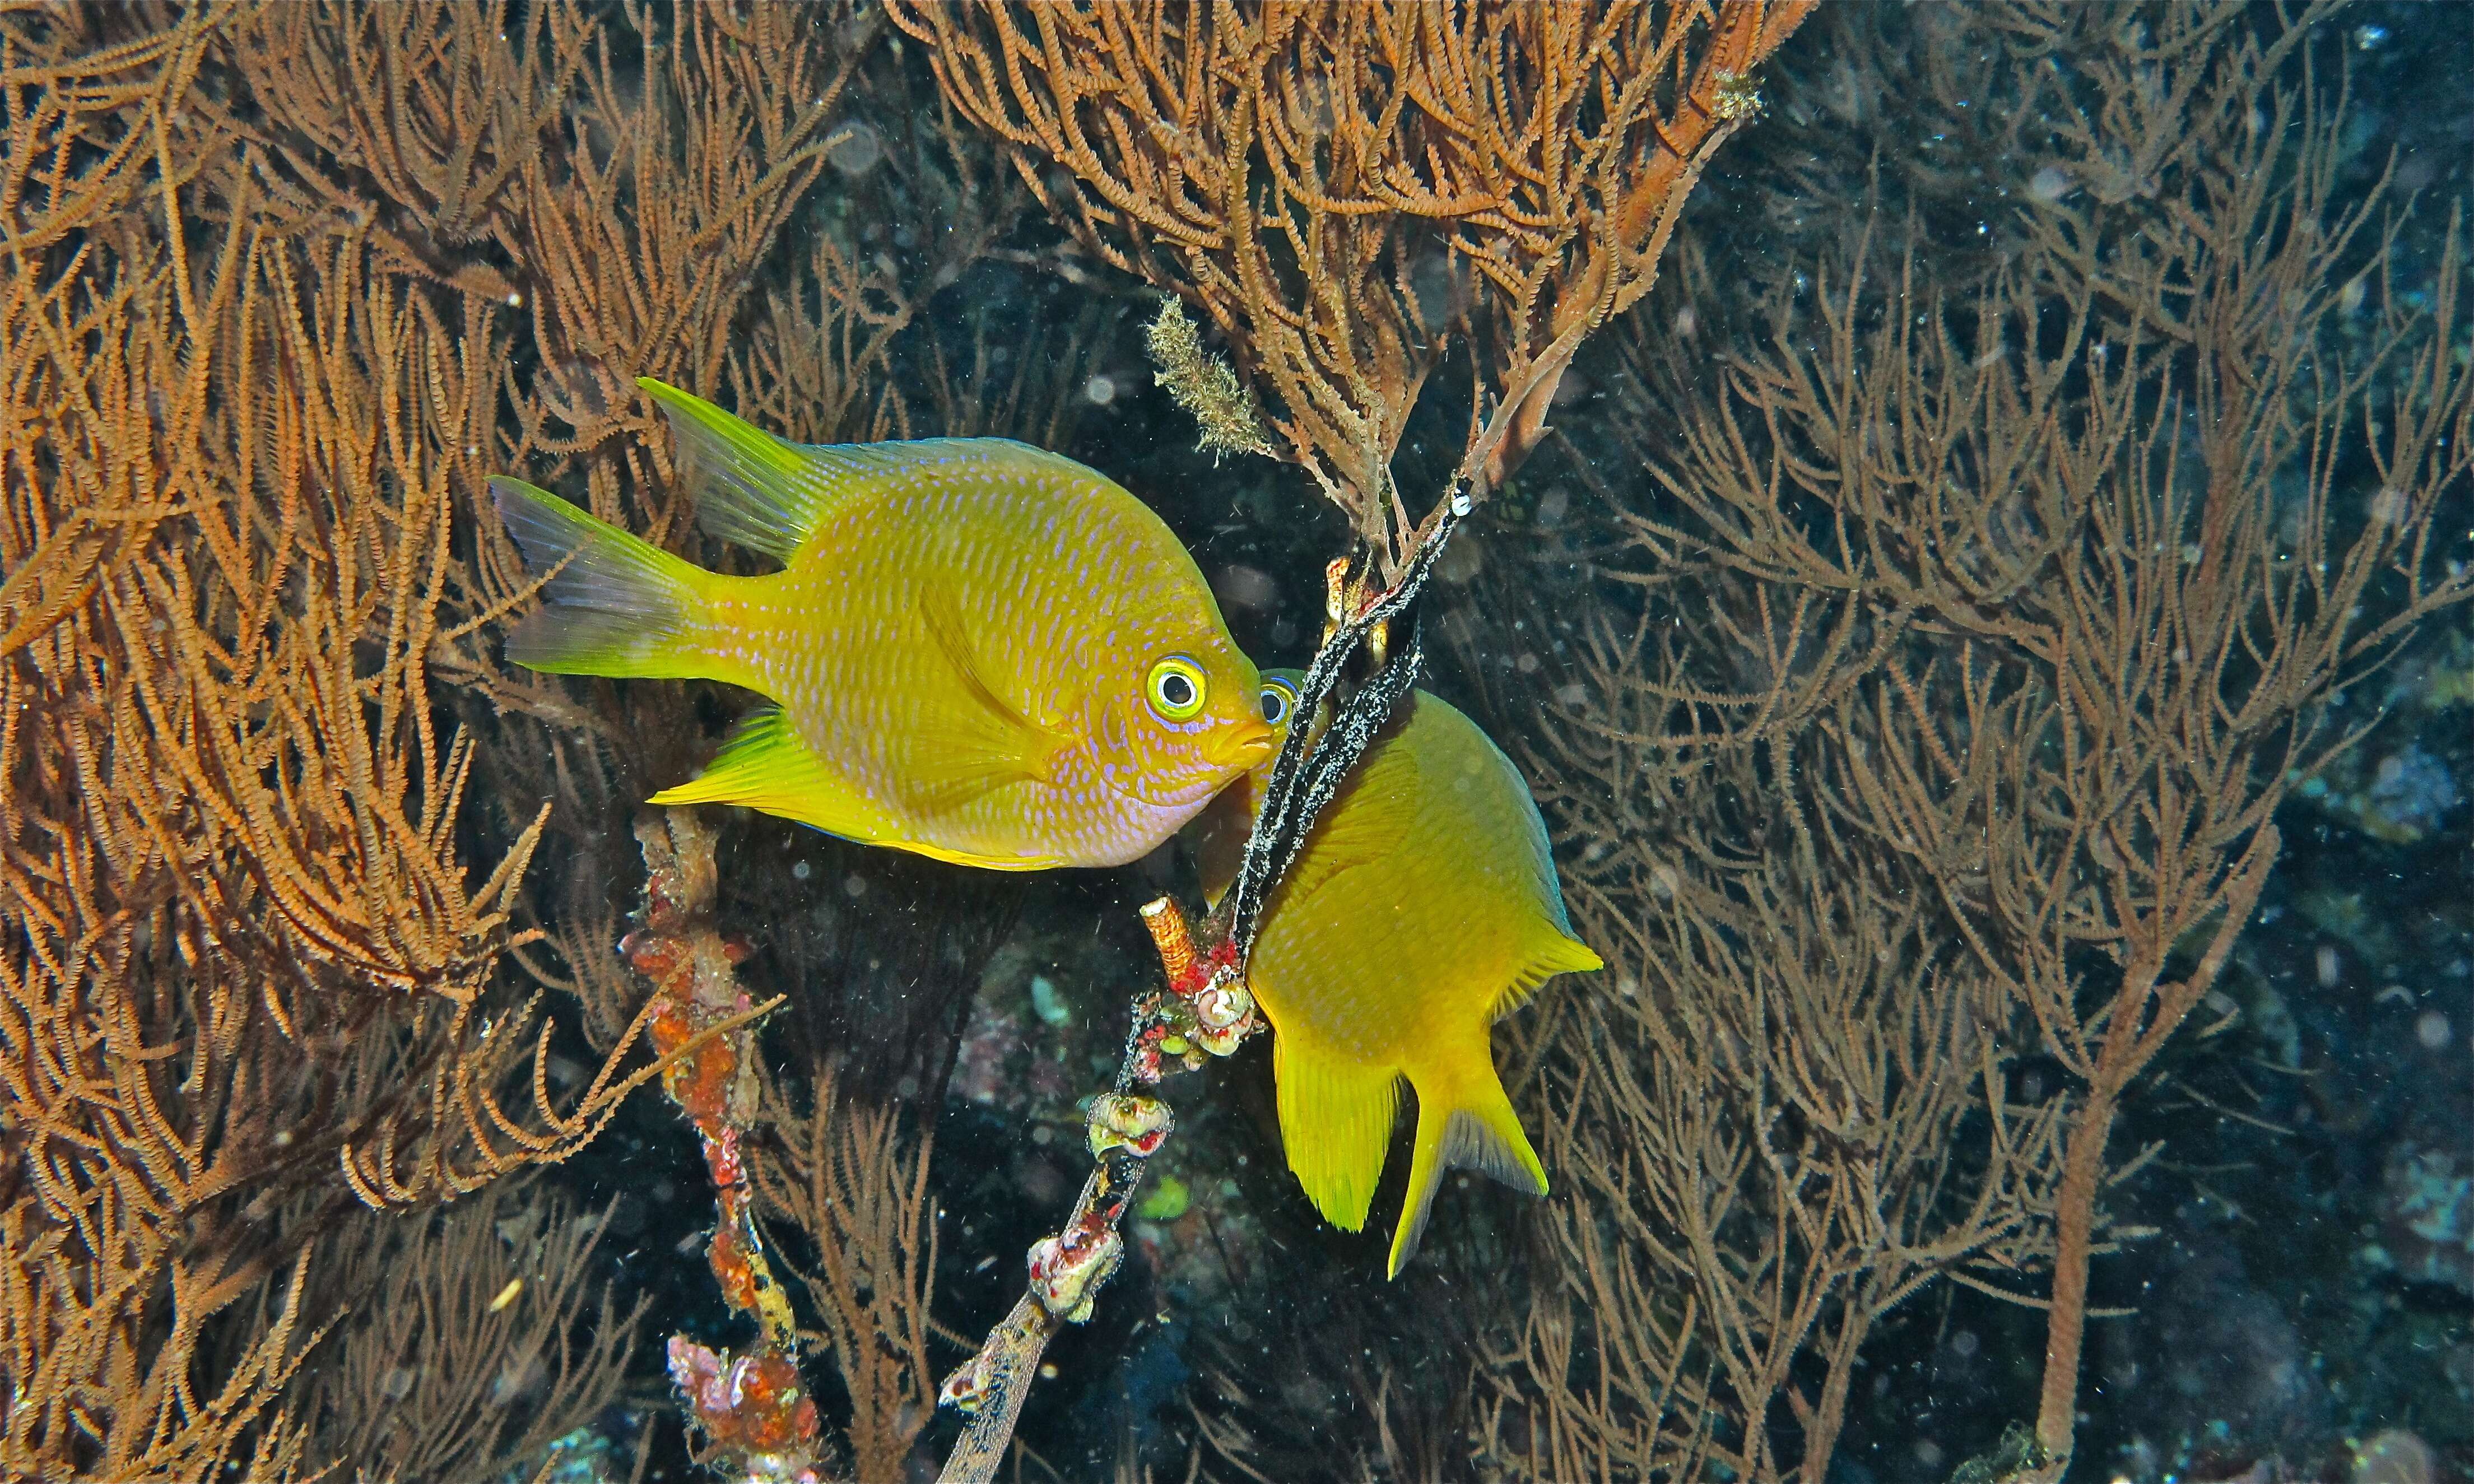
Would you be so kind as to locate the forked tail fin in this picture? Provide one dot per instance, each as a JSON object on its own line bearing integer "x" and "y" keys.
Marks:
{"x": 619, "y": 606}
{"x": 1463, "y": 1122}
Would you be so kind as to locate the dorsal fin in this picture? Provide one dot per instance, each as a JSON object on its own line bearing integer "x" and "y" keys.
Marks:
{"x": 769, "y": 494}
{"x": 1554, "y": 953}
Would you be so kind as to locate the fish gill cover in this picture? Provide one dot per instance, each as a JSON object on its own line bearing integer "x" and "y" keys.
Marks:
{"x": 1971, "y": 571}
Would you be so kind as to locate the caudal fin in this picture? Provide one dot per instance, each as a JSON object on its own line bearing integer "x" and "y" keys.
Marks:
{"x": 618, "y": 606}
{"x": 1463, "y": 1122}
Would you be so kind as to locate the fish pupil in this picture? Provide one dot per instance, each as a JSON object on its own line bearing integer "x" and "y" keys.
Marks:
{"x": 1177, "y": 690}
{"x": 1274, "y": 706}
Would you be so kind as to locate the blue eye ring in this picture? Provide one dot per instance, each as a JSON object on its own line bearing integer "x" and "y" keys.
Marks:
{"x": 1177, "y": 688}
{"x": 1277, "y": 698}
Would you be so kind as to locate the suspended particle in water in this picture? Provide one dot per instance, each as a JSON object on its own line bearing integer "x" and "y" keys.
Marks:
{"x": 1460, "y": 561}
{"x": 515, "y": 1379}
{"x": 855, "y": 152}
{"x": 1436, "y": 285}
{"x": 2395, "y": 1456}
{"x": 1252, "y": 588}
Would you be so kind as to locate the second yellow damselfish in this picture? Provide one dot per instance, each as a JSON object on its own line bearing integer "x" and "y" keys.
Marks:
{"x": 1423, "y": 909}
{"x": 979, "y": 651}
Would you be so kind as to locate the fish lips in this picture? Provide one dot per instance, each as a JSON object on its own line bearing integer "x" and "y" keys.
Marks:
{"x": 1243, "y": 745}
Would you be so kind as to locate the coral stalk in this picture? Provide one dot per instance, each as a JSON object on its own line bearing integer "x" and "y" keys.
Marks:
{"x": 1204, "y": 1011}
{"x": 759, "y": 1421}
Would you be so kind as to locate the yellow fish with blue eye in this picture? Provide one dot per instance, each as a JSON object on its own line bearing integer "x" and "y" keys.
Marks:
{"x": 1422, "y": 908}
{"x": 977, "y": 652}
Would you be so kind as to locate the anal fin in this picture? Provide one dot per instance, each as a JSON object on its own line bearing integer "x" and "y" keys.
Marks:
{"x": 765, "y": 766}
{"x": 1336, "y": 1117}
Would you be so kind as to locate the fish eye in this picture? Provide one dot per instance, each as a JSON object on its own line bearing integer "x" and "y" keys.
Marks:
{"x": 1176, "y": 688}
{"x": 1278, "y": 696}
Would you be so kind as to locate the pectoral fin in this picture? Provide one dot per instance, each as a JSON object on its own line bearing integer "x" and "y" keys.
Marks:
{"x": 1367, "y": 825}
{"x": 980, "y": 741}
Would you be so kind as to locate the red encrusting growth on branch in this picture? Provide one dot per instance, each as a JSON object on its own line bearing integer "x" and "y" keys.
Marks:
{"x": 756, "y": 1419}
{"x": 752, "y": 1406}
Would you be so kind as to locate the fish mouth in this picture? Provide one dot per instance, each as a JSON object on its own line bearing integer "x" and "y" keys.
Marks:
{"x": 1248, "y": 745}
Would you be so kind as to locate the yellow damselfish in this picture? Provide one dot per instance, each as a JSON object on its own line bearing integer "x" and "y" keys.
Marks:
{"x": 979, "y": 651}
{"x": 1424, "y": 908}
